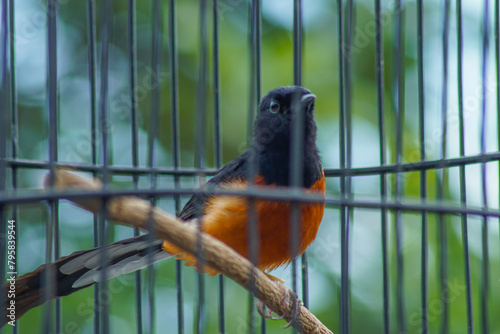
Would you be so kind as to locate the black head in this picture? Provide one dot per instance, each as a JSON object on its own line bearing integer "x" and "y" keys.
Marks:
{"x": 279, "y": 101}
{"x": 275, "y": 113}
{"x": 273, "y": 129}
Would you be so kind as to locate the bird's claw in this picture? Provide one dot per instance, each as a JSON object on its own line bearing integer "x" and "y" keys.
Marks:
{"x": 267, "y": 313}
{"x": 263, "y": 310}
{"x": 296, "y": 304}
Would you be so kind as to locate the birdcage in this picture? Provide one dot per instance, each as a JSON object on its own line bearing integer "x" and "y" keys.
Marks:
{"x": 154, "y": 97}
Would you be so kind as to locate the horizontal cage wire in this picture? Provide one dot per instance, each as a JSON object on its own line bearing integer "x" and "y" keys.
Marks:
{"x": 152, "y": 98}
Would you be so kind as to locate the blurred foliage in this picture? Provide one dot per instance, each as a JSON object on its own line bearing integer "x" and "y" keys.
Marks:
{"x": 320, "y": 75}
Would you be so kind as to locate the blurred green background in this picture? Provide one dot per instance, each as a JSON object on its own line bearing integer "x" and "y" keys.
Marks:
{"x": 320, "y": 75}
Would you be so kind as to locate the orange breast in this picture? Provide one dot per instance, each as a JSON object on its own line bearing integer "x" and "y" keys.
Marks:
{"x": 226, "y": 218}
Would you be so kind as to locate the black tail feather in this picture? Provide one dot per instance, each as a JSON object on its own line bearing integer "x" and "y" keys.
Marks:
{"x": 29, "y": 287}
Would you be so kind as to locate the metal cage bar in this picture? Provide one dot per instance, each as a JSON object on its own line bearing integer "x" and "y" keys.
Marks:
{"x": 134, "y": 131}
{"x": 52, "y": 228}
{"x": 423, "y": 157}
{"x": 379, "y": 65}
{"x": 104, "y": 172}
{"x": 297, "y": 134}
{"x": 484, "y": 228}
{"x": 175, "y": 136}
{"x": 92, "y": 56}
{"x": 329, "y": 172}
{"x": 442, "y": 184}
{"x": 464, "y": 222}
{"x": 217, "y": 134}
{"x": 156, "y": 51}
{"x": 344, "y": 230}
{"x": 399, "y": 117}
{"x": 201, "y": 113}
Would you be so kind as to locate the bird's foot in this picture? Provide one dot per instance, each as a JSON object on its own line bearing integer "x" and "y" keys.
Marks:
{"x": 266, "y": 313}
{"x": 296, "y": 304}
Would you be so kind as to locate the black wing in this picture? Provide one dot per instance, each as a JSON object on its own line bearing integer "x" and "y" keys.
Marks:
{"x": 236, "y": 169}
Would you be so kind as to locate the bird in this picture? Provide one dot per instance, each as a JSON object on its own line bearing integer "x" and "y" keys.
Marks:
{"x": 266, "y": 163}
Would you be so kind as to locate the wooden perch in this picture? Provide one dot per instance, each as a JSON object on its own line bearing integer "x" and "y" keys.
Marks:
{"x": 134, "y": 211}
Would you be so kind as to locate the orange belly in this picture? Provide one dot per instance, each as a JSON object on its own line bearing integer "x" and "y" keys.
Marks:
{"x": 226, "y": 218}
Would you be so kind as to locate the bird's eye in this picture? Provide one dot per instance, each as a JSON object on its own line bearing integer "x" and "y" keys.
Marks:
{"x": 274, "y": 107}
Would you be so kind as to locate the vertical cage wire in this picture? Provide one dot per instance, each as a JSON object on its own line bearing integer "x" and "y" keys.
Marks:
{"x": 255, "y": 18}
{"x": 379, "y": 65}
{"x": 297, "y": 140}
{"x": 156, "y": 51}
{"x": 463, "y": 199}
{"x": 298, "y": 33}
{"x": 347, "y": 214}
{"x": 3, "y": 124}
{"x": 484, "y": 228}
{"x": 344, "y": 227}
{"x": 442, "y": 185}
{"x": 254, "y": 29}
{"x": 175, "y": 136}
{"x": 52, "y": 228}
{"x": 92, "y": 56}
{"x": 423, "y": 157}
{"x": 104, "y": 172}
{"x": 217, "y": 136}
{"x": 399, "y": 117}
{"x": 201, "y": 112}
{"x": 134, "y": 132}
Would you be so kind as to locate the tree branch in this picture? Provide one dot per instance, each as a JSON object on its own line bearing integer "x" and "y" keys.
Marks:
{"x": 134, "y": 211}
